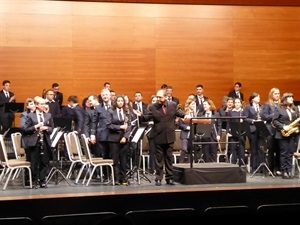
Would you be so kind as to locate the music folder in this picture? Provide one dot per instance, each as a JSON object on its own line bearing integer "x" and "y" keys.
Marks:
{"x": 238, "y": 128}
{"x": 13, "y": 107}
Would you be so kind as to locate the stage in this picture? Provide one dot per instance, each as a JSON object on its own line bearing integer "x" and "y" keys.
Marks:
{"x": 209, "y": 173}
{"x": 103, "y": 197}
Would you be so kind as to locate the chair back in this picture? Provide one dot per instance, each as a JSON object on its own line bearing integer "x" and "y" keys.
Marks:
{"x": 17, "y": 146}
{"x": 86, "y": 148}
{"x": 3, "y": 152}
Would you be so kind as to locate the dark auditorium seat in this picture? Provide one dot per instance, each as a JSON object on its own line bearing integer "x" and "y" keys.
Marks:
{"x": 287, "y": 209}
{"x": 162, "y": 216}
{"x": 16, "y": 221}
{"x": 77, "y": 219}
{"x": 227, "y": 210}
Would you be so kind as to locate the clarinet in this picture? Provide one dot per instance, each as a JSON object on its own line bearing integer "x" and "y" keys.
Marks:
{"x": 41, "y": 135}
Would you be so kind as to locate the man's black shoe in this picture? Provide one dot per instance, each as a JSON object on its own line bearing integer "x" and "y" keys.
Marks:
{"x": 170, "y": 182}
{"x": 158, "y": 183}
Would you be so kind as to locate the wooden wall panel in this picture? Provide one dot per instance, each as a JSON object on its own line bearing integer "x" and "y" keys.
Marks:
{"x": 81, "y": 45}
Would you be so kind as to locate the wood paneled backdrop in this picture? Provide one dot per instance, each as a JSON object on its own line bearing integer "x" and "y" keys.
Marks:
{"x": 138, "y": 47}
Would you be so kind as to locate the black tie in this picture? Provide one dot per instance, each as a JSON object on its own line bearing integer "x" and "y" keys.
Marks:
{"x": 6, "y": 94}
{"x": 41, "y": 117}
{"x": 120, "y": 115}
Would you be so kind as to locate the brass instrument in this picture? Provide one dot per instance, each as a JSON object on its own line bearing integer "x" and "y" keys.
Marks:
{"x": 293, "y": 128}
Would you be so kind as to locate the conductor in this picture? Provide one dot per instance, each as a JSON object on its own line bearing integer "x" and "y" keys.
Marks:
{"x": 163, "y": 113}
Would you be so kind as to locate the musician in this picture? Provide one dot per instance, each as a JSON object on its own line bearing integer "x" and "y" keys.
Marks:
{"x": 237, "y": 144}
{"x": 190, "y": 108}
{"x": 119, "y": 125}
{"x": 236, "y": 92}
{"x": 210, "y": 150}
{"x": 37, "y": 129}
{"x": 253, "y": 112}
{"x": 273, "y": 146}
{"x": 286, "y": 122}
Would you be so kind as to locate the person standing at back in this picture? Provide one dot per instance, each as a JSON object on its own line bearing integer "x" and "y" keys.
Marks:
{"x": 236, "y": 93}
{"x": 163, "y": 113}
{"x": 6, "y": 118}
{"x": 58, "y": 96}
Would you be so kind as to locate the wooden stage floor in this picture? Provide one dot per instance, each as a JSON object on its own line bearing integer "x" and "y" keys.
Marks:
{"x": 61, "y": 198}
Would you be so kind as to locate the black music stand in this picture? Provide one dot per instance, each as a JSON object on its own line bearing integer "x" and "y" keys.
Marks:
{"x": 65, "y": 123}
{"x": 239, "y": 130}
{"x": 198, "y": 132}
{"x": 137, "y": 140}
{"x": 263, "y": 132}
{"x": 13, "y": 107}
{"x": 55, "y": 170}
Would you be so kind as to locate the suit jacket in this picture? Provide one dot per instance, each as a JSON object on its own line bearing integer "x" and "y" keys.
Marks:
{"x": 164, "y": 124}
{"x": 282, "y": 118}
{"x": 79, "y": 114}
{"x": 100, "y": 122}
{"x": 251, "y": 115}
{"x": 199, "y": 104}
{"x": 174, "y": 99}
{"x": 88, "y": 117}
{"x": 58, "y": 97}
{"x": 31, "y": 135}
{"x": 54, "y": 109}
{"x": 4, "y": 99}
{"x": 267, "y": 115}
{"x": 234, "y": 95}
{"x": 115, "y": 133}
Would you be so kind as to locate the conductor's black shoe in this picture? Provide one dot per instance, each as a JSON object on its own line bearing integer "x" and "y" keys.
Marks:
{"x": 43, "y": 185}
{"x": 285, "y": 175}
{"x": 170, "y": 182}
{"x": 157, "y": 182}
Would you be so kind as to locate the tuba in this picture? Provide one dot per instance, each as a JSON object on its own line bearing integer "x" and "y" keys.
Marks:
{"x": 293, "y": 128}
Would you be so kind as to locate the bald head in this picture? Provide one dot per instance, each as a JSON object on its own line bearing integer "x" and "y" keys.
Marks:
{"x": 161, "y": 96}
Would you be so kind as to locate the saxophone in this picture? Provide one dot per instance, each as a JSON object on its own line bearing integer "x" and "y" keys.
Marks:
{"x": 293, "y": 128}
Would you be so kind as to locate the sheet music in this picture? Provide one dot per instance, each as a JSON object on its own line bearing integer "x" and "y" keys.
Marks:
{"x": 54, "y": 132}
{"x": 56, "y": 139}
{"x": 138, "y": 134}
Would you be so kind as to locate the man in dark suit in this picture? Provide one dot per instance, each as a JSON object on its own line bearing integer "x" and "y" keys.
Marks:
{"x": 236, "y": 93}
{"x": 54, "y": 107}
{"x": 200, "y": 97}
{"x": 170, "y": 97}
{"x": 58, "y": 96}
{"x": 163, "y": 113}
{"x": 6, "y": 118}
{"x": 99, "y": 131}
{"x": 36, "y": 136}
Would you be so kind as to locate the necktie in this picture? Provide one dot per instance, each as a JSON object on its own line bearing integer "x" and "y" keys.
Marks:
{"x": 169, "y": 99}
{"x": 6, "y": 94}
{"x": 207, "y": 114}
{"x": 106, "y": 106}
{"x": 163, "y": 108}
{"x": 41, "y": 117}
{"x": 120, "y": 115}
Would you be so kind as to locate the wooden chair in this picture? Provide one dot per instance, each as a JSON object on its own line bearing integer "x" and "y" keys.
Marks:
{"x": 176, "y": 146}
{"x": 96, "y": 162}
{"x": 72, "y": 155}
{"x": 296, "y": 158}
{"x": 223, "y": 147}
{"x": 12, "y": 165}
{"x": 19, "y": 151}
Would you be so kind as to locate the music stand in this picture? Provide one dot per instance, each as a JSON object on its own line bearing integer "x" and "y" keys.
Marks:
{"x": 13, "y": 107}
{"x": 263, "y": 132}
{"x": 198, "y": 132}
{"x": 239, "y": 129}
{"x": 65, "y": 123}
{"x": 137, "y": 139}
{"x": 54, "y": 170}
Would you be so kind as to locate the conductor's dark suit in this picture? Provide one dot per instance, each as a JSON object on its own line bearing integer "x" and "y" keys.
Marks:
{"x": 31, "y": 138}
{"x": 163, "y": 135}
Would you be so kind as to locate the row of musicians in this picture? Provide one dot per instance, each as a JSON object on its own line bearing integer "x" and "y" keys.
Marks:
{"x": 279, "y": 139}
